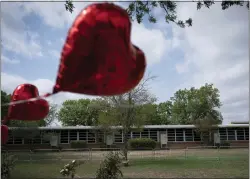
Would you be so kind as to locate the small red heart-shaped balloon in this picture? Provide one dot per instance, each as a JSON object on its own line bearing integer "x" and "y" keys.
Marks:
{"x": 4, "y": 134}
{"x": 98, "y": 57}
{"x": 30, "y": 110}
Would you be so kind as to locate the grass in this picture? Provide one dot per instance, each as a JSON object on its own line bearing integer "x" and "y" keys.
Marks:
{"x": 227, "y": 166}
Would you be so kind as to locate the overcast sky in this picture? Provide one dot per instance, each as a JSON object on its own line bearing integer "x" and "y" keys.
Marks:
{"x": 214, "y": 50}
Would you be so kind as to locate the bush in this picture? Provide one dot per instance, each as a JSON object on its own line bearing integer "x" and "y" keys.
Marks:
{"x": 7, "y": 164}
{"x": 142, "y": 143}
{"x": 78, "y": 144}
{"x": 224, "y": 145}
{"x": 70, "y": 169}
{"x": 110, "y": 167}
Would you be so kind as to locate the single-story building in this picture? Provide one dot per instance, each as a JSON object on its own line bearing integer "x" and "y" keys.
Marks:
{"x": 170, "y": 136}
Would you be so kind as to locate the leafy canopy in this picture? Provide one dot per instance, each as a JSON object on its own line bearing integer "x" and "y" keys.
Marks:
{"x": 139, "y": 9}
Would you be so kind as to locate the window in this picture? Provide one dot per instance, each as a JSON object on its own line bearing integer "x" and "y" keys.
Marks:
{"x": 231, "y": 133}
{"x": 72, "y": 135}
{"x": 37, "y": 139}
{"x": 118, "y": 137}
{"x": 179, "y": 135}
{"x": 247, "y": 133}
{"x": 145, "y": 134}
{"x": 171, "y": 135}
{"x": 18, "y": 140}
{"x": 153, "y": 135}
{"x": 129, "y": 135}
{"x": 83, "y": 135}
{"x": 100, "y": 137}
{"x": 28, "y": 141}
{"x": 91, "y": 137}
{"x": 197, "y": 136}
{"x": 64, "y": 137}
{"x": 240, "y": 134}
{"x": 10, "y": 139}
{"x": 223, "y": 134}
{"x": 44, "y": 137}
{"x": 188, "y": 134}
{"x": 136, "y": 135}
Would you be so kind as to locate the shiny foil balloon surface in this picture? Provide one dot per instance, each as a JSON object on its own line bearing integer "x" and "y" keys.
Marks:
{"x": 4, "y": 134}
{"x": 98, "y": 57}
{"x": 30, "y": 110}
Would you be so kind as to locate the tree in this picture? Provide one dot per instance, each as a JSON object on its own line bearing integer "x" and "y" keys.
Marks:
{"x": 198, "y": 107}
{"x": 139, "y": 9}
{"x": 5, "y": 99}
{"x": 127, "y": 110}
{"x": 164, "y": 112}
{"x": 190, "y": 105}
{"x": 78, "y": 112}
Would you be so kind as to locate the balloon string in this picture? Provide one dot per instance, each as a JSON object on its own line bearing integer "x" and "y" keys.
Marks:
{"x": 27, "y": 100}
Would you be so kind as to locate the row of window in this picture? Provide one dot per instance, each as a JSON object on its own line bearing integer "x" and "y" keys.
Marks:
{"x": 234, "y": 133}
{"x": 90, "y": 136}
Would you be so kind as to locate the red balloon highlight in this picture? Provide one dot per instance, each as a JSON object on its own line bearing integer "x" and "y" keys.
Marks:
{"x": 4, "y": 134}
{"x": 29, "y": 110}
{"x": 98, "y": 57}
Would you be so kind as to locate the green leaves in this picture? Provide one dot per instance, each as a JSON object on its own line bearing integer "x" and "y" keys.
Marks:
{"x": 195, "y": 106}
{"x": 69, "y": 6}
{"x": 78, "y": 112}
{"x": 7, "y": 164}
{"x": 5, "y": 98}
{"x": 70, "y": 168}
{"x": 137, "y": 10}
{"x": 110, "y": 167}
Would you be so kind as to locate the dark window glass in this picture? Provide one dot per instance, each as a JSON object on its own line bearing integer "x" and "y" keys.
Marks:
{"x": 64, "y": 138}
{"x": 171, "y": 135}
{"x": 231, "y": 133}
{"x": 240, "y": 134}
{"x": 247, "y": 133}
{"x": 83, "y": 135}
{"x": 144, "y": 134}
{"x": 100, "y": 136}
{"x": 91, "y": 136}
{"x": 197, "y": 136}
{"x": 118, "y": 136}
{"x": 136, "y": 135}
{"x": 153, "y": 134}
{"x": 72, "y": 135}
{"x": 179, "y": 135}
{"x": 223, "y": 134}
{"x": 188, "y": 134}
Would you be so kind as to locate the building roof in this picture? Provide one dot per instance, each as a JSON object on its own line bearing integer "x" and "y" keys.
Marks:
{"x": 145, "y": 127}
{"x": 240, "y": 122}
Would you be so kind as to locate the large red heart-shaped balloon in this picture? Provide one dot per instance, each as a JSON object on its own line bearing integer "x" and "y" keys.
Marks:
{"x": 98, "y": 57}
{"x": 4, "y": 134}
{"x": 30, "y": 110}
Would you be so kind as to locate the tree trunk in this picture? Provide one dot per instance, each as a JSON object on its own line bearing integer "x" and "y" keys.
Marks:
{"x": 125, "y": 149}
{"x": 126, "y": 130}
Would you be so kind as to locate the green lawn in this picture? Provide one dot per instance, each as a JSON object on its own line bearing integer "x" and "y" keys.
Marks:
{"x": 145, "y": 168}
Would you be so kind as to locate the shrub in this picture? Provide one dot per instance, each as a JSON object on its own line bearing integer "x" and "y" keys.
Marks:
{"x": 70, "y": 169}
{"x": 78, "y": 144}
{"x": 110, "y": 167}
{"x": 142, "y": 143}
{"x": 7, "y": 164}
{"x": 224, "y": 145}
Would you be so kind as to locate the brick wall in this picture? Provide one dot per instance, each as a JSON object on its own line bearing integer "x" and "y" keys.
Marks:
{"x": 239, "y": 143}
{"x": 169, "y": 145}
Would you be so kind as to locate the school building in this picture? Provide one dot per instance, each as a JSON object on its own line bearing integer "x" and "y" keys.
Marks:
{"x": 168, "y": 136}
